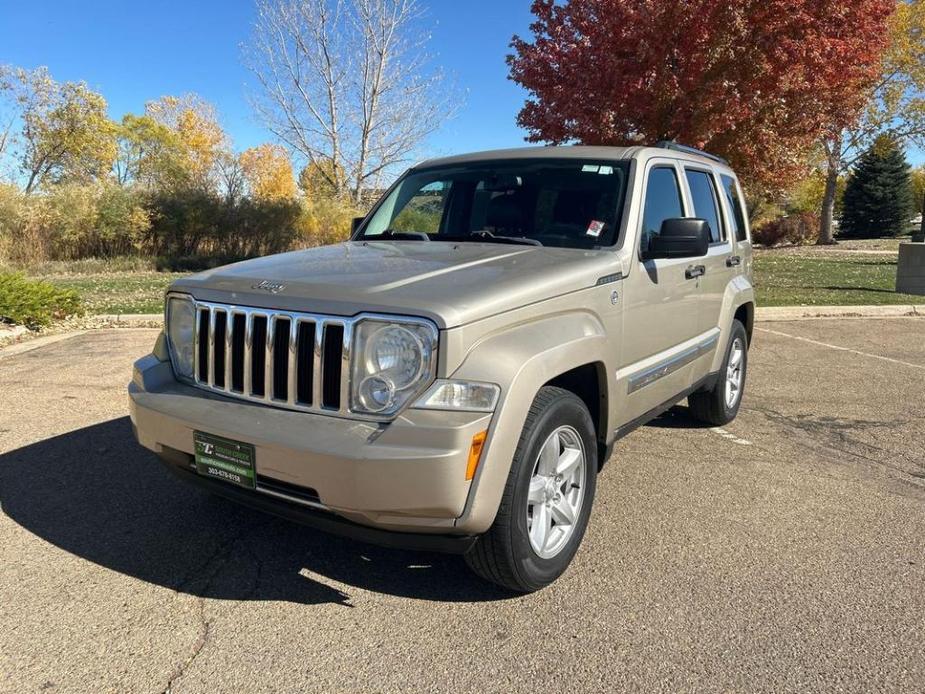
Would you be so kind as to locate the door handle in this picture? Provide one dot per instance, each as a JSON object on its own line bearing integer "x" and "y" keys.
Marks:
{"x": 695, "y": 271}
{"x": 733, "y": 261}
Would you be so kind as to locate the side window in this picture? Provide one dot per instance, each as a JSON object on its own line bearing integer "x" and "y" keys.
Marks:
{"x": 731, "y": 191}
{"x": 424, "y": 211}
{"x": 663, "y": 201}
{"x": 706, "y": 203}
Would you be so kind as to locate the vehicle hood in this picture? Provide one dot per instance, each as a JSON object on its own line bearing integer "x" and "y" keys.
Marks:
{"x": 450, "y": 283}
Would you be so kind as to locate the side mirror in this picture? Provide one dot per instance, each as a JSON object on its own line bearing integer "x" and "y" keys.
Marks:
{"x": 355, "y": 224}
{"x": 680, "y": 238}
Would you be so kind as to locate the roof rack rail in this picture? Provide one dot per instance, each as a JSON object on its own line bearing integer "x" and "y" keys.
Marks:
{"x": 672, "y": 145}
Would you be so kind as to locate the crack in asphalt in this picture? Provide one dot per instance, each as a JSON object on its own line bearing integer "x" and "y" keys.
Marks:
{"x": 220, "y": 557}
{"x": 830, "y": 436}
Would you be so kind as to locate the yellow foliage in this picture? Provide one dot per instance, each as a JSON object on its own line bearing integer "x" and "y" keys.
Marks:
{"x": 201, "y": 136}
{"x": 322, "y": 179}
{"x": 324, "y": 221}
{"x": 268, "y": 172}
{"x": 807, "y": 194}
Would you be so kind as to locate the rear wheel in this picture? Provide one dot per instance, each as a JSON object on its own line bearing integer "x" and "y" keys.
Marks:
{"x": 547, "y": 498}
{"x": 720, "y": 404}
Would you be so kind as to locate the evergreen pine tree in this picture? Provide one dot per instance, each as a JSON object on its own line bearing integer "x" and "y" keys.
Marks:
{"x": 878, "y": 198}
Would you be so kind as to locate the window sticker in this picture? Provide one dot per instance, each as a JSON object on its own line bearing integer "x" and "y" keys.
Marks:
{"x": 590, "y": 168}
{"x": 595, "y": 228}
{"x": 605, "y": 171}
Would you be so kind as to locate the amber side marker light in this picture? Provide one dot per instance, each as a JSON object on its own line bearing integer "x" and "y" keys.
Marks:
{"x": 475, "y": 453}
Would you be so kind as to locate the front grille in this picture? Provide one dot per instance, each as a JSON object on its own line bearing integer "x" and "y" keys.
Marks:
{"x": 294, "y": 360}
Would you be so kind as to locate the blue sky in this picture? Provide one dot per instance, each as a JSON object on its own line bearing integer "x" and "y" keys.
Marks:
{"x": 133, "y": 52}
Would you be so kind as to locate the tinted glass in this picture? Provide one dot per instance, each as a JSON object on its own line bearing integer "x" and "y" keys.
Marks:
{"x": 663, "y": 201}
{"x": 731, "y": 191}
{"x": 566, "y": 203}
{"x": 706, "y": 204}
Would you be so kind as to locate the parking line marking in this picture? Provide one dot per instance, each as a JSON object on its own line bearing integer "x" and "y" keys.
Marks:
{"x": 730, "y": 437}
{"x": 842, "y": 349}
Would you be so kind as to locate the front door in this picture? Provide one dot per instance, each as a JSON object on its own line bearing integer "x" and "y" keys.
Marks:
{"x": 718, "y": 271}
{"x": 660, "y": 319}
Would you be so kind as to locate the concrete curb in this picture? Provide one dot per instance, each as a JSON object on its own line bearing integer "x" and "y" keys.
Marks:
{"x": 762, "y": 315}
{"x": 131, "y": 319}
{"x": 15, "y": 331}
{"x": 792, "y": 313}
{"x": 765, "y": 314}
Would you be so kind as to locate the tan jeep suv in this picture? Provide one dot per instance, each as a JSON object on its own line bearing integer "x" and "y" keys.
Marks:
{"x": 454, "y": 376}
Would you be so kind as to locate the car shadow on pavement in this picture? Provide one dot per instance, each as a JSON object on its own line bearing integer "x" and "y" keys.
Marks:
{"x": 96, "y": 493}
{"x": 678, "y": 417}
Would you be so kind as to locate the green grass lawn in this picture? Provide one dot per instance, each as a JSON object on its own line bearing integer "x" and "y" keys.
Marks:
{"x": 119, "y": 292}
{"x": 840, "y": 279}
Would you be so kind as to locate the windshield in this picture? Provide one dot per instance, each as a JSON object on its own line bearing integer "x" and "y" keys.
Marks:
{"x": 564, "y": 203}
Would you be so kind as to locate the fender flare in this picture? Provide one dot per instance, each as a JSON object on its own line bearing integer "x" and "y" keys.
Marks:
{"x": 521, "y": 360}
{"x": 738, "y": 292}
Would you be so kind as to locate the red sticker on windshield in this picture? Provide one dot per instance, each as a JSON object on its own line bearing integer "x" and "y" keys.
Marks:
{"x": 595, "y": 228}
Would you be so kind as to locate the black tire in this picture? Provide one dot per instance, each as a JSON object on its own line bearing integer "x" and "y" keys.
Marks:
{"x": 504, "y": 555}
{"x": 710, "y": 406}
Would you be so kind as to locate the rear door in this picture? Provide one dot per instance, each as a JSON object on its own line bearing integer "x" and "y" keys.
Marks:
{"x": 660, "y": 303}
{"x": 704, "y": 195}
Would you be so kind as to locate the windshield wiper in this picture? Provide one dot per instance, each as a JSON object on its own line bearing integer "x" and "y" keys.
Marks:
{"x": 402, "y": 235}
{"x": 485, "y": 235}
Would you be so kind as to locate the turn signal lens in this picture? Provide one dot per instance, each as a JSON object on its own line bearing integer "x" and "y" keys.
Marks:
{"x": 475, "y": 453}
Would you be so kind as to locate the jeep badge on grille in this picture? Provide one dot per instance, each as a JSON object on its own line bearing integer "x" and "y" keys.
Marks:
{"x": 267, "y": 286}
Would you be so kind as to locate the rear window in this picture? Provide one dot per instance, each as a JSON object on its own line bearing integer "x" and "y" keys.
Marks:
{"x": 706, "y": 203}
{"x": 731, "y": 191}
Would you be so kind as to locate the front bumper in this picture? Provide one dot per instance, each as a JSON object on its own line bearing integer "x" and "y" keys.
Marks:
{"x": 408, "y": 475}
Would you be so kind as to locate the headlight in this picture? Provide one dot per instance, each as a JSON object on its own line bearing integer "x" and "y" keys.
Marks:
{"x": 464, "y": 396}
{"x": 181, "y": 325}
{"x": 393, "y": 361}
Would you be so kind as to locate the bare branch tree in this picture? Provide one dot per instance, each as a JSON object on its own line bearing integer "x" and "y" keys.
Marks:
{"x": 347, "y": 84}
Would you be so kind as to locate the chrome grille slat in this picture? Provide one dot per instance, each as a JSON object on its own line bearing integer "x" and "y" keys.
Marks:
{"x": 210, "y": 367}
{"x": 229, "y": 330}
{"x": 248, "y": 338}
{"x": 345, "y": 369}
{"x": 269, "y": 360}
{"x": 292, "y": 386}
{"x": 317, "y": 352}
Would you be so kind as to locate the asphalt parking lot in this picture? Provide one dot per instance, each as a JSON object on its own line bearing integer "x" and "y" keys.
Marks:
{"x": 783, "y": 553}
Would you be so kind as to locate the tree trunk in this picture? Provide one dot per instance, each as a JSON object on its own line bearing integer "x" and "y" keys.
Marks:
{"x": 826, "y": 231}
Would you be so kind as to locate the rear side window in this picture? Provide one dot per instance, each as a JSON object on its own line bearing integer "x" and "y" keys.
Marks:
{"x": 706, "y": 202}
{"x": 663, "y": 201}
{"x": 731, "y": 191}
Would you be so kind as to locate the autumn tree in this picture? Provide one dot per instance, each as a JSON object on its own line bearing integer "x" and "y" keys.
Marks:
{"x": 347, "y": 84}
{"x": 66, "y": 134}
{"x": 149, "y": 153}
{"x": 895, "y": 106}
{"x": 755, "y": 81}
{"x": 201, "y": 137}
{"x": 267, "y": 172}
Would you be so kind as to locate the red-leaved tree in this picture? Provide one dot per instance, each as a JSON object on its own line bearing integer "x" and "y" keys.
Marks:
{"x": 755, "y": 81}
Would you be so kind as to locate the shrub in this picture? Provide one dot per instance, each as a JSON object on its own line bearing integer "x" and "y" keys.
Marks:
{"x": 35, "y": 303}
{"x": 325, "y": 220}
{"x": 798, "y": 229}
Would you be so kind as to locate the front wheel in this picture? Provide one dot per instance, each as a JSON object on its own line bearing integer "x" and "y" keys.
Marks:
{"x": 547, "y": 499}
{"x": 720, "y": 404}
